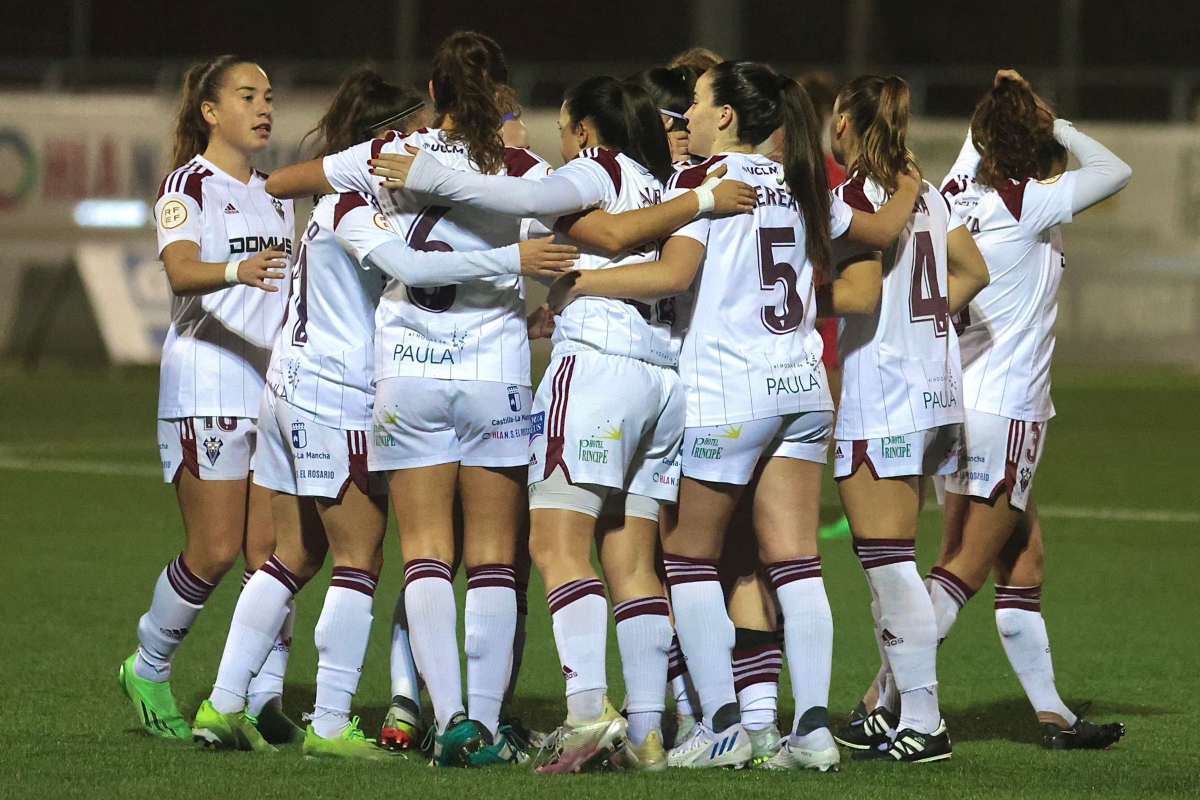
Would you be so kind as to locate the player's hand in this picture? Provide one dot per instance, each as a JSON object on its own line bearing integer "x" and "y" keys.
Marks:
{"x": 393, "y": 167}
{"x": 678, "y": 141}
{"x": 540, "y": 323}
{"x": 266, "y": 265}
{"x": 542, "y": 258}
{"x": 731, "y": 197}
{"x": 562, "y": 291}
{"x": 909, "y": 180}
{"x": 514, "y": 133}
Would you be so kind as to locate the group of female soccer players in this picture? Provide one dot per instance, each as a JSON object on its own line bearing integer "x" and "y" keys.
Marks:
{"x": 690, "y": 242}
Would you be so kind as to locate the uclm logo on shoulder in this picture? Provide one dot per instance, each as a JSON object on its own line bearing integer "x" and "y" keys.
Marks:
{"x": 299, "y": 436}
{"x": 514, "y": 398}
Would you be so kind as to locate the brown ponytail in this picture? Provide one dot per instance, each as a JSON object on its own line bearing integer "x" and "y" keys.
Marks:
{"x": 468, "y": 72}
{"x": 1013, "y": 130}
{"x": 200, "y": 85}
{"x": 878, "y": 108}
{"x": 764, "y": 101}
{"x": 363, "y": 104}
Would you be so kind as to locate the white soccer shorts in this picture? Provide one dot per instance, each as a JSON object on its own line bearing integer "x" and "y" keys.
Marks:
{"x": 302, "y": 457}
{"x": 610, "y": 421}
{"x": 935, "y": 451}
{"x": 420, "y": 422}
{"x": 729, "y": 453}
{"x": 1000, "y": 455}
{"x": 211, "y": 448}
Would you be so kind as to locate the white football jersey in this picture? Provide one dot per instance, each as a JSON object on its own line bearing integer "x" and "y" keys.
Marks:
{"x": 470, "y": 331}
{"x": 218, "y": 346}
{"x": 614, "y": 182}
{"x": 901, "y": 371}
{"x": 751, "y": 350}
{"x": 1007, "y": 332}
{"x": 324, "y": 362}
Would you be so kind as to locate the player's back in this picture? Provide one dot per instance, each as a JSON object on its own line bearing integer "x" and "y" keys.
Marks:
{"x": 1007, "y": 333}
{"x": 323, "y": 363}
{"x": 616, "y": 327}
{"x": 901, "y": 368}
{"x": 750, "y": 350}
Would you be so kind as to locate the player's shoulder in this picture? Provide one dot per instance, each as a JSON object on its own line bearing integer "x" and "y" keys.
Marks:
{"x": 691, "y": 177}
{"x": 859, "y": 192}
{"x": 606, "y": 160}
{"x": 187, "y": 180}
{"x": 353, "y": 208}
{"x": 521, "y": 161}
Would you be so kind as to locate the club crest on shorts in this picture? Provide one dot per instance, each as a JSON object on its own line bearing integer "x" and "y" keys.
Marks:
{"x": 1026, "y": 476}
{"x": 299, "y": 436}
{"x": 212, "y": 449}
{"x": 514, "y": 398}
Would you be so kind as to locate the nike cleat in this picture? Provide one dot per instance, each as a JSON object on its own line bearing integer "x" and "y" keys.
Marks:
{"x": 873, "y": 732}
{"x": 575, "y": 744}
{"x": 911, "y": 747}
{"x": 705, "y": 749}
{"x": 401, "y": 728}
{"x": 154, "y": 703}
{"x": 1083, "y": 735}
{"x": 463, "y": 738}
{"x": 351, "y": 744}
{"x": 824, "y": 757}
{"x": 220, "y": 731}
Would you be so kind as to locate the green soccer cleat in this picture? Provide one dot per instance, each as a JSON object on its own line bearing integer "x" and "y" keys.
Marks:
{"x": 352, "y": 744}
{"x": 237, "y": 731}
{"x": 507, "y": 749}
{"x": 401, "y": 729}
{"x": 276, "y": 727}
{"x": 462, "y": 739}
{"x": 154, "y": 703}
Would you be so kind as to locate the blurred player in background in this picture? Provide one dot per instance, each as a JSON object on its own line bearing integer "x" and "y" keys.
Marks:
{"x": 1010, "y": 187}
{"x": 225, "y": 243}
{"x": 671, "y": 90}
{"x": 900, "y": 413}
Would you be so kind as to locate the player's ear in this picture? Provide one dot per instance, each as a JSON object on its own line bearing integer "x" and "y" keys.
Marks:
{"x": 728, "y": 118}
{"x": 208, "y": 111}
{"x": 431, "y": 94}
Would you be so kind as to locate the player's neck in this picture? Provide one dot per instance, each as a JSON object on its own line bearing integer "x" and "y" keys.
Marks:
{"x": 730, "y": 144}
{"x": 231, "y": 161}
{"x": 447, "y": 123}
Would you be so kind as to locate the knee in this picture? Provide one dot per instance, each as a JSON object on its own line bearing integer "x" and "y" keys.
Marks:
{"x": 211, "y": 559}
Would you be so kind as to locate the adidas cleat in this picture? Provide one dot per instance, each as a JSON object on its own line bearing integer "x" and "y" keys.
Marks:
{"x": 463, "y": 738}
{"x": 154, "y": 703}
{"x": 575, "y": 744}
{"x": 874, "y": 731}
{"x": 800, "y": 753}
{"x": 401, "y": 728}
{"x": 276, "y": 727}
{"x": 351, "y": 744}
{"x": 506, "y": 749}
{"x": 764, "y": 743}
{"x": 1083, "y": 735}
{"x": 911, "y": 747}
{"x": 649, "y": 756}
{"x": 705, "y": 749}
{"x": 220, "y": 731}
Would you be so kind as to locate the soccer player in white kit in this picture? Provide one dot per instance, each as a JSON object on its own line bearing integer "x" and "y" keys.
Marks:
{"x": 587, "y": 444}
{"x": 452, "y": 400}
{"x": 756, "y": 396}
{"x": 1011, "y": 187}
{"x": 900, "y": 413}
{"x": 224, "y": 243}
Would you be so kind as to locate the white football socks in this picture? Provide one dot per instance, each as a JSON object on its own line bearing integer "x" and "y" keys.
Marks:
{"x": 807, "y": 633}
{"x": 949, "y": 594}
{"x": 757, "y": 662}
{"x": 490, "y": 621}
{"x": 267, "y": 683}
{"x": 342, "y": 633}
{"x": 704, "y": 629}
{"x": 405, "y": 682}
{"x": 644, "y": 639}
{"x": 179, "y": 596}
{"x": 1027, "y": 645}
{"x": 433, "y": 632}
{"x": 579, "y": 614}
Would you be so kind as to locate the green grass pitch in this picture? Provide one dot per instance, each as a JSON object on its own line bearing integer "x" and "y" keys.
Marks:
{"x": 85, "y": 527}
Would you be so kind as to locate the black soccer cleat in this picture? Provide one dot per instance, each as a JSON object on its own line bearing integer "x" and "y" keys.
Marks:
{"x": 910, "y": 747}
{"x": 1083, "y": 735}
{"x": 869, "y": 732}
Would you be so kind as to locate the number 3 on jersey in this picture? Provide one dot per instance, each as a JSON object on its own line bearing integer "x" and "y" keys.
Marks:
{"x": 927, "y": 303}
{"x": 771, "y": 273}
{"x": 439, "y": 298}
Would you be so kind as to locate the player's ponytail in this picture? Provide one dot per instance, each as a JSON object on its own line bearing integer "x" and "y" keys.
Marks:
{"x": 1014, "y": 134}
{"x": 625, "y": 118}
{"x": 878, "y": 109}
{"x": 200, "y": 85}
{"x": 468, "y": 73}
{"x": 364, "y": 104}
{"x": 764, "y": 101}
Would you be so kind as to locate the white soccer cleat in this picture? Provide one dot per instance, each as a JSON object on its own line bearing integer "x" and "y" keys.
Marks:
{"x": 576, "y": 744}
{"x": 821, "y": 754}
{"x": 705, "y": 749}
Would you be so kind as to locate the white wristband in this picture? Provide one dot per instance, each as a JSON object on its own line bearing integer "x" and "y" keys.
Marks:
{"x": 231, "y": 270}
{"x": 704, "y": 199}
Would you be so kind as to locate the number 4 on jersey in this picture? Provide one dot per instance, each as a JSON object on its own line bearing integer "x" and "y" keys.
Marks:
{"x": 927, "y": 302}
